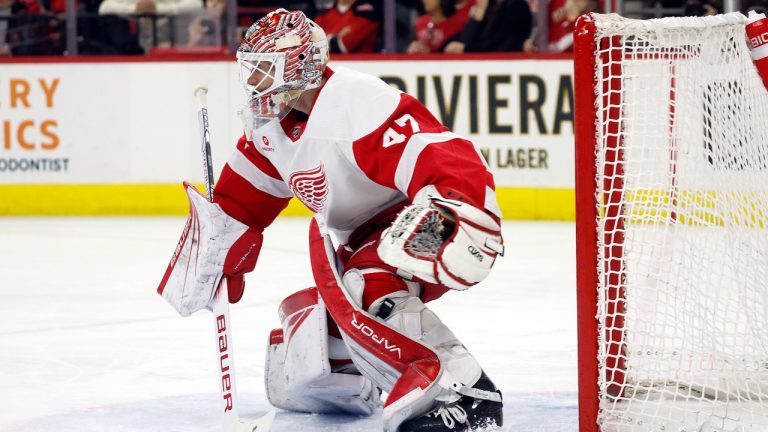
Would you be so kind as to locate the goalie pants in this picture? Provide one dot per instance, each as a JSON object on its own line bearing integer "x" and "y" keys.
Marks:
{"x": 389, "y": 335}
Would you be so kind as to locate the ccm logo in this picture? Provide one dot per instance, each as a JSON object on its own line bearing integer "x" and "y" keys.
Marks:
{"x": 475, "y": 253}
{"x": 758, "y": 40}
{"x": 226, "y": 382}
{"x": 367, "y": 331}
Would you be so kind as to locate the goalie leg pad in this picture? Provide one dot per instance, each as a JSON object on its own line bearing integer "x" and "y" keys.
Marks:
{"x": 408, "y": 351}
{"x": 299, "y": 375}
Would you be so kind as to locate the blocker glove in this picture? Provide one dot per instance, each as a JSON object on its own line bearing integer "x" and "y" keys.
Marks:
{"x": 212, "y": 246}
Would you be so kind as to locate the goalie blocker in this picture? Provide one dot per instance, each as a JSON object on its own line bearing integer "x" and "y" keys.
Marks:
{"x": 213, "y": 245}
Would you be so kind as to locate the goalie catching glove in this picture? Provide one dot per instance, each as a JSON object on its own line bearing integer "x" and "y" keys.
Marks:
{"x": 444, "y": 241}
{"x": 213, "y": 245}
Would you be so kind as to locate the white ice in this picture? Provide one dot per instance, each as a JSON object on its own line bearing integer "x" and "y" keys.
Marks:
{"x": 86, "y": 344}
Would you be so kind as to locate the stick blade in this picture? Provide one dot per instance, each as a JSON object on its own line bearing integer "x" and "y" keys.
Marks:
{"x": 261, "y": 424}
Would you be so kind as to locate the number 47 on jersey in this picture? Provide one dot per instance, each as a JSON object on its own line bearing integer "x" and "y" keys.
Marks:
{"x": 392, "y": 136}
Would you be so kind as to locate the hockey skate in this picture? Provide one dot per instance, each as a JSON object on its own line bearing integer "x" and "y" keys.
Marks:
{"x": 466, "y": 414}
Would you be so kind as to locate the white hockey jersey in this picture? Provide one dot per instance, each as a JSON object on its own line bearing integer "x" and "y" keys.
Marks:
{"x": 364, "y": 147}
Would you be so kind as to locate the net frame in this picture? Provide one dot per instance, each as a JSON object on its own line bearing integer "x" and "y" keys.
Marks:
{"x": 600, "y": 227}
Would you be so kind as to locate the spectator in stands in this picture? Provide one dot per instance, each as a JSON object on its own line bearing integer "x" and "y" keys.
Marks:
{"x": 208, "y": 28}
{"x": 759, "y": 6}
{"x": 5, "y": 16}
{"x": 29, "y": 31}
{"x": 494, "y": 26}
{"x": 352, "y": 26}
{"x": 104, "y": 34}
{"x": 323, "y": 5}
{"x": 153, "y": 31}
{"x": 406, "y": 13}
{"x": 562, "y": 19}
{"x": 57, "y": 6}
{"x": 702, "y": 8}
{"x": 440, "y": 22}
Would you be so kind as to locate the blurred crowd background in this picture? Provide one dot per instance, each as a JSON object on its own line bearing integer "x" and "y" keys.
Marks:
{"x": 178, "y": 27}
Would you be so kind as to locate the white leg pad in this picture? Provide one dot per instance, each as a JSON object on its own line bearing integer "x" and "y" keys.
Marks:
{"x": 456, "y": 359}
{"x": 413, "y": 319}
{"x": 418, "y": 322}
{"x": 298, "y": 375}
{"x": 395, "y": 359}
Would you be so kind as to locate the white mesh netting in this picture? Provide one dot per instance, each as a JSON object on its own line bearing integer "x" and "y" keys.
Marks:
{"x": 682, "y": 175}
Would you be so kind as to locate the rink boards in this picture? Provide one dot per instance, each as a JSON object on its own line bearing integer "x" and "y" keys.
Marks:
{"x": 117, "y": 136}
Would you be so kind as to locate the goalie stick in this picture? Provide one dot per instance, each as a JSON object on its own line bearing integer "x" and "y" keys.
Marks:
{"x": 219, "y": 306}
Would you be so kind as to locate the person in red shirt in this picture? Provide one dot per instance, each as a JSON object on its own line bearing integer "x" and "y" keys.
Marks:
{"x": 562, "y": 18}
{"x": 440, "y": 23}
{"x": 494, "y": 26}
{"x": 352, "y": 26}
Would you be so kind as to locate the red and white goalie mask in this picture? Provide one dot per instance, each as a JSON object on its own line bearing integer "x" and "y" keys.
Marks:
{"x": 281, "y": 55}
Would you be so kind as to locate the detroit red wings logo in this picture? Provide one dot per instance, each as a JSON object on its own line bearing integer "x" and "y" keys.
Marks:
{"x": 311, "y": 187}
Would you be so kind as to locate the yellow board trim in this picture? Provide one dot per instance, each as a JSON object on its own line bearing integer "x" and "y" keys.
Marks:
{"x": 170, "y": 200}
{"x": 703, "y": 208}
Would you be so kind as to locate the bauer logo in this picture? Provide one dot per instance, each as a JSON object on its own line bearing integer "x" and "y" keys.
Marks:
{"x": 224, "y": 362}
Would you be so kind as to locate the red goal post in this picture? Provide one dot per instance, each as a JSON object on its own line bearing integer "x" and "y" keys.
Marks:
{"x": 671, "y": 226}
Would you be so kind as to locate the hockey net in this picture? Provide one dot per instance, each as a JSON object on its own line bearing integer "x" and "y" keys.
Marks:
{"x": 672, "y": 226}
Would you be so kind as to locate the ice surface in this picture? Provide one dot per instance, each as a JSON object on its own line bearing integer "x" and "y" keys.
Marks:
{"x": 87, "y": 345}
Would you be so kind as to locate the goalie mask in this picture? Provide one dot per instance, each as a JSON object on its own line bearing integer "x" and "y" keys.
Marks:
{"x": 281, "y": 55}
